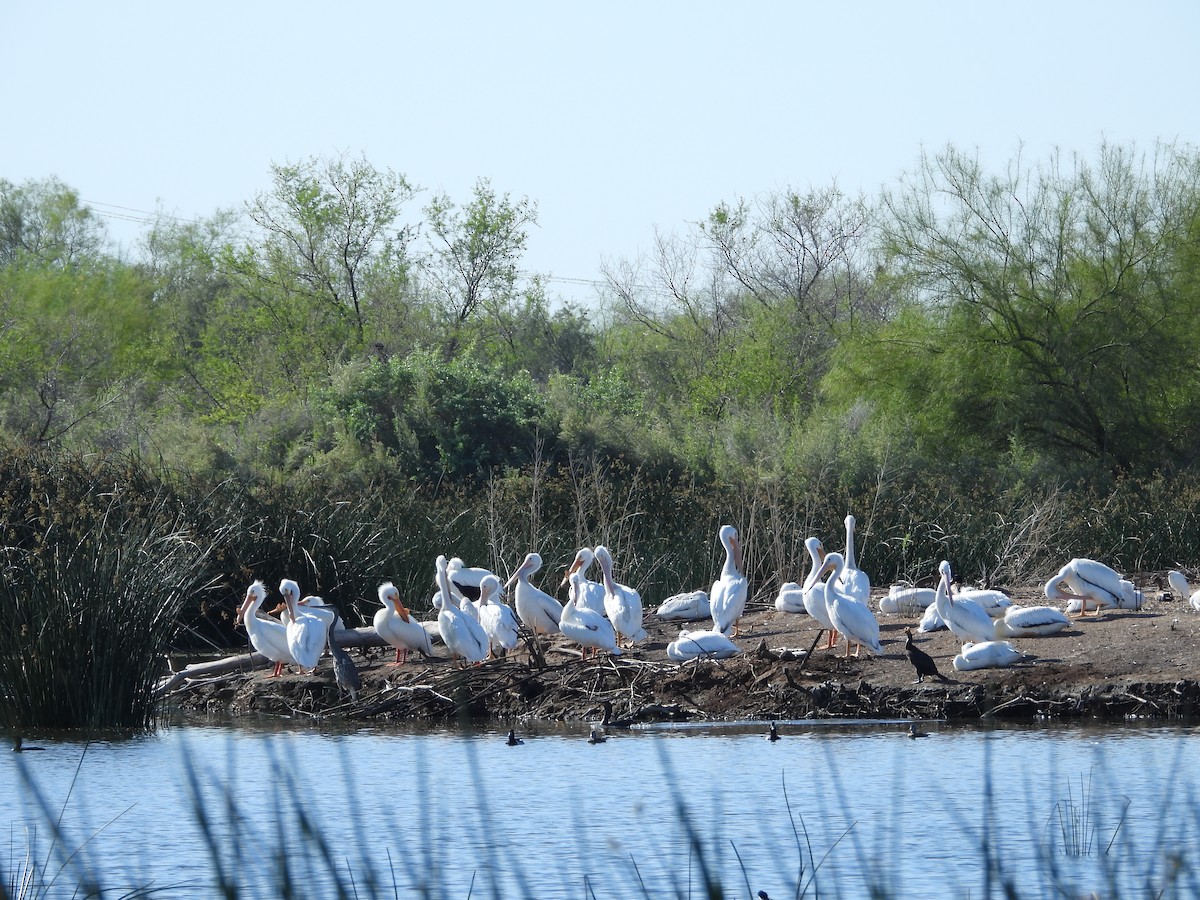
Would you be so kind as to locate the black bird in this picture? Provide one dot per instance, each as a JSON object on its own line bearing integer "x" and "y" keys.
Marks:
{"x": 609, "y": 722}
{"x": 921, "y": 660}
{"x": 598, "y": 735}
{"x": 773, "y": 734}
{"x": 344, "y": 670}
{"x": 19, "y": 745}
{"x": 913, "y": 733}
{"x": 513, "y": 740}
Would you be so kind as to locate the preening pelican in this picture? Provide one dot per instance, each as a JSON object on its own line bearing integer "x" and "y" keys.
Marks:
{"x": 1085, "y": 582}
{"x": 497, "y": 617}
{"x": 396, "y": 625}
{"x": 538, "y": 610}
{"x": 853, "y": 581}
{"x": 816, "y": 602}
{"x": 267, "y": 636}
{"x": 465, "y": 638}
{"x": 903, "y": 600}
{"x": 710, "y": 644}
{"x": 987, "y": 655}
{"x": 851, "y": 617}
{"x": 308, "y": 628}
{"x": 586, "y": 627}
{"x": 967, "y": 619}
{"x": 622, "y": 603}
{"x": 1031, "y": 621}
{"x": 790, "y": 598}
{"x": 728, "y": 595}
{"x": 592, "y": 592}
{"x": 688, "y": 607}
{"x": 465, "y": 580}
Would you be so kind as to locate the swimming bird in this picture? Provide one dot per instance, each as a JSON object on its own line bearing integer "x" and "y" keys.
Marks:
{"x": 709, "y": 644}
{"x": 622, "y": 603}
{"x": 921, "y": 660}
{"x": 852, "y": 618}
{"x": 598, "y": 736}
{"x": 728, "y": 595}
{"x": 396, "y": 625}
{"x": 592, "y": 592}
{"x": 19, "y": 745}
{"x": 513, "y": 740}
{"x": 816, "y": 600}
{"x": 987, "y": 655}
{"x": 586, "y": 627}
{"x": 905, "y": 600}
{"x": 1086, "y": 582}
{"x": 607, "y": 721}
{"x": 913, "y": 733}
{"x": 535, "y": 608}
{"x": 1030, "y": 621}
{"x": 687, "y": 607}
{"x": 267, "y": 636}
{"x": 465, "y": 638}
{"x": 966, "y": 619}
{"x": 773, "y": 734}
{"x": 497, "y": 618}
{"x": 853, "y": 580}
{"x": 345, "y": 673}
{"x": 307, "y": 628}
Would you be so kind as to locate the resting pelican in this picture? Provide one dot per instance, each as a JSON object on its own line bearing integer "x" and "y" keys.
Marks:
{"x": 967, "y": 619}
{"x": 728, "y": 595}
{"x": 709, "y": 644}
{"x": 465, "y": 580}
{"x": 931, "y": 619}
{"x": 538, "y": 610}
{"x": 308, "y": 627}
{"x": 790, "y": 598}
{"x": 1031, "y": 621}
{"x": 592, "y": 592}
{"x": 395, "y": 624}
{"x": 816, "y": 602}
{"x": 497, "y": 617}
{"x": 267, "y": 636}
{"x": 906, "y": 601}
{"x": 1088, "y": 582}
{"x": 851, "y": 617}
{"x": 994, "y": 602}
{"x": 689, "y": 607}
{"x": 854, "y": 581}
{"x": 465, "y": 638}
{"x": 586, "y": 627}
{"x": 622, "y": 603}
{"x": 1179, "y": 584}
{"x": 987, "y": 655}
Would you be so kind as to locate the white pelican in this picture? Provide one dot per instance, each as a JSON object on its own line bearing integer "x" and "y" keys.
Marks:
{"x": 815, "y": 598}
{"x": 967, "y": 619}
{"x": 308, "y": 628}
{"x": 1179, "y": 584}
{"x": 728, "y": 595}
{"x": 592, "y": 592}
{"x": 994, "y": 602}
{"x": 586, "y": 627}
{"x": 709, "y": 644}
{"x": 465, "y": 638}
{"x": 790, "y": 598}
{"x": 987, "y": 655}
{"x": 538, "y": 610}
{"x": 267, "y": 636}
{"x": 903, "y": 600}
{"x": 689, "y": 606}
{"x": 854, "y": 581}
{"x": 497, "y": 617}
{"x": 1031, "y": 621}
{"x": 396, "y": 625}
{"x": 465, "y": 580}
{"x": 622, "y": 603}
{"x": 1086, "y": 582}
{"x": 931, "y": 620}
{"x": 851, "y": 617}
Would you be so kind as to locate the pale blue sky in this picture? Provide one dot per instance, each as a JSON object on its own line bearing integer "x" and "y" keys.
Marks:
{"x": 616, "y": 117}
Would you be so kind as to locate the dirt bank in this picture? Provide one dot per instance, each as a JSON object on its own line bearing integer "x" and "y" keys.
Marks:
{"x": 1119, "y": 664}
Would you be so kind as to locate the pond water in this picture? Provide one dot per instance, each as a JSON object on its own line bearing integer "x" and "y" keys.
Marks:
{"x": 831, "y": 809}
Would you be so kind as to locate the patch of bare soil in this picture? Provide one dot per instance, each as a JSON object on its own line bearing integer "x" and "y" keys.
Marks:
{"x": 1118, "y": 664}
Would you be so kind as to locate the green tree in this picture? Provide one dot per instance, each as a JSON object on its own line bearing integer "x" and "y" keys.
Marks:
{"x": 42, "y": 224}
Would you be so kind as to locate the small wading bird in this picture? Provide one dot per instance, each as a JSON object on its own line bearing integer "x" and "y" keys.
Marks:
{"x": 344, "y": 671}
{"x": 921, "y": 660}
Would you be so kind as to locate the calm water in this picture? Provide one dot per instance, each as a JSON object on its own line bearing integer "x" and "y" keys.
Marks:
{"x": 458, "y": 814}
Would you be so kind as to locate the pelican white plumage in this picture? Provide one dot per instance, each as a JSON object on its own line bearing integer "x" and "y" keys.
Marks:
{"x": 853, "y": 581}
{"x": 688, "y": 607}
{"x": 465, "y": 638}
{"x": 535, "y": 608}
{"x": 987, "y": 655}
{"x": 905, "y": 600}
{"x": 851, "y": 617}
{"x": 966, "y": 619}
{"x": 465, "y": 581}
{"x": 267, "y": 636}
{"x": 709, "y": 644}
{"x": 790, "y": 598}
{"x": 728, "y": 595}
{"x": 931, "y": 619}
{"x": 1087, "y": 583}
{"x": 307, "y": 628}
{"x": 1179, "y": 584}
{"x": 592, "y": 592}
{"x": 1030, "y": 621}
{"x": 586, "y": 627}
{"x": 622, "y": 604}
{"x": 497, "y": 617}
{"x": 994, "y": 602}
{"x": 396, "y": 625}
{"x": 816, "y": 602}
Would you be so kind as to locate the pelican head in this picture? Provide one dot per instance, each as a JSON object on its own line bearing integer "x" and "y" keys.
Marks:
{"x": 583, "y": 561}
{"x": 255, "y": 595}
{"x": 489, "y": 587}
